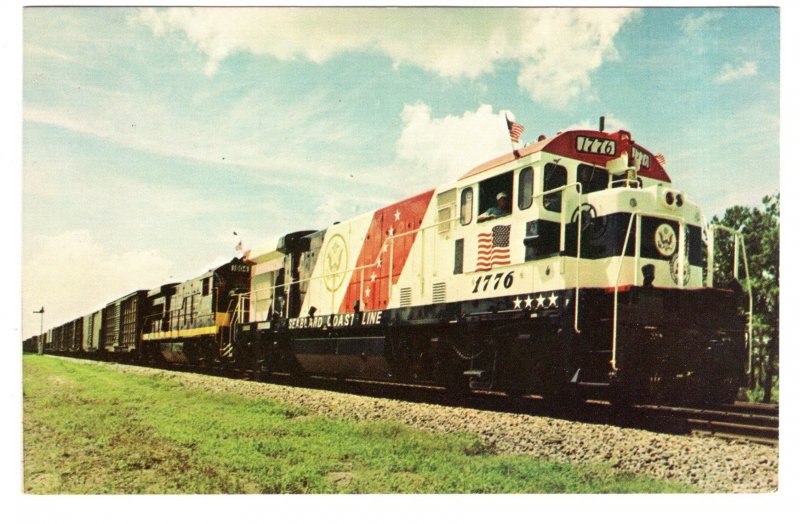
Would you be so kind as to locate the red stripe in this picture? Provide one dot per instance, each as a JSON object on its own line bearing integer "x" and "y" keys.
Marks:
{"x": 411, "y": 211}
{"x": 490, "y": 255}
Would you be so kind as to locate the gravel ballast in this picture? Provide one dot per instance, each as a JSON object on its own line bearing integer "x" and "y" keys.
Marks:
{"x": 710, "y": 464}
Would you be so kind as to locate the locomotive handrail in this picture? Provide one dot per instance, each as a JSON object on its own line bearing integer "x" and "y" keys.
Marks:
{"x": 681, "y": 250}
{"x": 738, "y": 240}
{"x": 387, "y": 241}
{"x": 562, "y": 239}
{"x": 625, "y": 182}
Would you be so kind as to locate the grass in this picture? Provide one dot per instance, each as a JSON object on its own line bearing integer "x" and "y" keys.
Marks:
{"x": 90, "y": 429}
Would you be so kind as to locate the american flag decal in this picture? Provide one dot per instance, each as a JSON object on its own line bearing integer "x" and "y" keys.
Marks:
{"x": 493, "y": 248}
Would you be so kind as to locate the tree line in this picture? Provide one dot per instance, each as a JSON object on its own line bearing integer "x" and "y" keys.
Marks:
{"x": 760, "y": 229}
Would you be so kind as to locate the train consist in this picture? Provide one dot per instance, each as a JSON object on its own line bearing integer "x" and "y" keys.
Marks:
{"x": 569, "y": 265}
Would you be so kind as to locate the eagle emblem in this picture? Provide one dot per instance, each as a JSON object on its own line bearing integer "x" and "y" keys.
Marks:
{"x": 334, "y": 263}
{"x": 675, "y": 269}
{"x": 665, "y": 240}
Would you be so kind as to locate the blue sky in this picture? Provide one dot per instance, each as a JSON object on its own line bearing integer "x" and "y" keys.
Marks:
{"x": 151, "y": 135}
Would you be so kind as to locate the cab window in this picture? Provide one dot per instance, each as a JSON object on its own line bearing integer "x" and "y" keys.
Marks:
{"x": 592, "y": 178}
{"x": 525, "y": 188}
{"x": 555, "y": 176}
{"x": 494, "y": 197}
{"x": 466, "y": 206}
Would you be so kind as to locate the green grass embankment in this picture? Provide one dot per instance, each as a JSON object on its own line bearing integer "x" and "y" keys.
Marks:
{"x": 91, "y": 429}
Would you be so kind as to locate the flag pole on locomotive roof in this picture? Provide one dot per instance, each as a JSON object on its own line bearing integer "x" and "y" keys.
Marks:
{"x": 515, "y": 130}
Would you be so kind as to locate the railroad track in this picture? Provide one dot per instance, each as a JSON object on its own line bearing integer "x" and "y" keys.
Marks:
{"x": 752, "y": 422}
{"x": 739, "y": 421}
{"x": 742, "y": 421}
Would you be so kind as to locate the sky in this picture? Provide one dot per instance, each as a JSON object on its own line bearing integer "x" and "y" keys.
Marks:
{"x": 151, "y": 135}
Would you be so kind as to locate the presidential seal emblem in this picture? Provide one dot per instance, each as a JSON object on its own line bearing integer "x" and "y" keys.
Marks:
{"x": 674, "y": 268}
{"x": 334, "y": 263}
{"x": 665, "y": 240}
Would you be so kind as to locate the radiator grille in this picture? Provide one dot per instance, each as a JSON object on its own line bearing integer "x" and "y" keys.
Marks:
{"x": 439, "y": 292}
{"x": 405, "y": 297}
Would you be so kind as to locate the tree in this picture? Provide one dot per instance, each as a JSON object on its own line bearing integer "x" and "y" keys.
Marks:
{"x": 760, "y": 229}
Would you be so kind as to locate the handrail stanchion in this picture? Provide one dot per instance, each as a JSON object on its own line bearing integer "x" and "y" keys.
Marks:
{"x": 391, "y": 269}
{"x": 616, "y": 293}
{"x": 562, "y": 239}
{"x": 738, "y": 241}
{"x": 750, "y": 307}
{"x": 710, "y": 257}
{"x": 360, "y": 289}
{"x": 681, "y": 253}
{"x": 637, "y": 249}
{"x": 575, "y": 327}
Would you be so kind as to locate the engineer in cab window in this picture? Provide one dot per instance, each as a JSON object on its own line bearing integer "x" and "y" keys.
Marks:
{"x": 500, "y": 210}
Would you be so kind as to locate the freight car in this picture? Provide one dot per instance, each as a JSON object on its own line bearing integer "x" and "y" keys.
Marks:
{"x": 33, "y": 344}
{"x": 569, "y": 265}
{"x": 121, "y": 330}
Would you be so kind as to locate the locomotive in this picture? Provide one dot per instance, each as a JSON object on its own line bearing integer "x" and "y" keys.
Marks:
{"x": 570, "y": 265}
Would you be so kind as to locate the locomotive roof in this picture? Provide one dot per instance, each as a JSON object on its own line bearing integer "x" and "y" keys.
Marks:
{"x": 565, "y": 144}
{"x": 213, "y": 270}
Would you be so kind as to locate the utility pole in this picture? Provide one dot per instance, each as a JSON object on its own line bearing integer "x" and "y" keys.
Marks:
{"x": 40, "y": 341}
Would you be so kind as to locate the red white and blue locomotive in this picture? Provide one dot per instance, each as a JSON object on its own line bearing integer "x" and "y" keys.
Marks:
{"x": 589, "y": 271}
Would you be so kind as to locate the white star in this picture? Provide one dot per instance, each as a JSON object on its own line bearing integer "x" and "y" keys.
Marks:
{"x": 397, "y": 215}
{"x": 391, "y": 231}
{"x": 528, "y": 302}
{"x": 553, "y": 298}
{"x": 517, "y": 303}
{"x": 366, "y": 292}
{"x": 372, "y": 277}
{"x": 379, "y": 262}
{"x": 385, "y": 247}
{"x": 539, "y": 301}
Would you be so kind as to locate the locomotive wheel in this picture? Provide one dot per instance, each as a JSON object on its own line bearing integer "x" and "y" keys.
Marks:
{"x": 460, "y": 350}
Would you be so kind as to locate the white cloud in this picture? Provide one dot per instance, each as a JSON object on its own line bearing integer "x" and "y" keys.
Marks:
{"x": 440, "y": 150}
{"x": 556, "y": 49}
{"x": 730, "y": 73}
{"x": 448, "y": 147}
{"x": 72, "y": 274}
{"x": 230, "y": 138}
{"x": 693, "y": 25}
{"x": 49, "y": 53}
{"x": 612, "y": 124}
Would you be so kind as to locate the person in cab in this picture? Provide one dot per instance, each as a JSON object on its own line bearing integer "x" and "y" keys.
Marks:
{"x": 500, "y": 210}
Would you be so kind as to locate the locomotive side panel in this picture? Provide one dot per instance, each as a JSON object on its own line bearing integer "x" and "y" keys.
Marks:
{"x": 335, "y": 282}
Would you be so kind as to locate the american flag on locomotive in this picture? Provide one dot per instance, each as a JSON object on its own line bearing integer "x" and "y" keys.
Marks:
{"x": 493, "y": 248}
